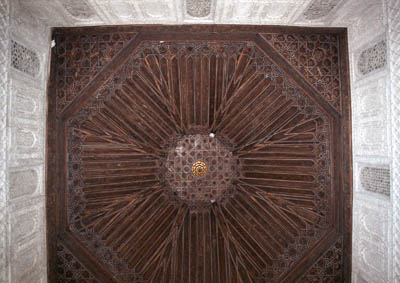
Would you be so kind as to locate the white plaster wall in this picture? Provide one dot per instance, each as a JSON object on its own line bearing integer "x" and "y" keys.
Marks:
{"x": 22, "y": 144}
{"x": 371, "y": 140}
{"x": 393, "y": 17}
{"x": 4, "y": 23}
{"x": 375, "y": 104}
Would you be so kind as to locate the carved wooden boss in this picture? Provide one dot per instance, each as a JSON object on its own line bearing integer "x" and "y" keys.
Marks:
{"x": 199, "y": 154}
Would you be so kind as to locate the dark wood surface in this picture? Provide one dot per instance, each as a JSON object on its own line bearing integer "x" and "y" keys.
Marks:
{"x": 131, "y": 109}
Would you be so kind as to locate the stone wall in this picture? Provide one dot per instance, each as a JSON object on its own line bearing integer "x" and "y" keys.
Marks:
{"x": 374, "y": 44}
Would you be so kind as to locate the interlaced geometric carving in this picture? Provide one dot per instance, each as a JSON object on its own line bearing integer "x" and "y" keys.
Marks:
{"x": 198, "y": 8}
{"x": 373, "y": 58}
{"x": 328, "y": 268}
{"x": 376, "y": 180}
{"x": 212, "y": 164}
{"x": 69, "y": 269}
{"x": 24, "y": 59}
{"x": 320, "y": 8}
{"x": 78, "y": 9}
{"x": 80, "y": 58}
{"x": 315, "y": 57}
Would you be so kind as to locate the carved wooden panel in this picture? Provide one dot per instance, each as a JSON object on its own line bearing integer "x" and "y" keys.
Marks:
{"x": 199, "y": 154}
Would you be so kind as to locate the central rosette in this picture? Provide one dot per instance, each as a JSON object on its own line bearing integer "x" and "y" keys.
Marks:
{"x": 200, "y": 168}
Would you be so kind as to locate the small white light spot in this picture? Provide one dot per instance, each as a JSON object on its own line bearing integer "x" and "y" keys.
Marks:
{"x": 53, "y": 43}
{"x": 162, "y": 41}
{"x": 212, "y": 135}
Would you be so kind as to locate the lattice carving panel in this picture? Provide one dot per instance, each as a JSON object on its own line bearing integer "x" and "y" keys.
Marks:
{"x": 198, "y": 8}
{"x": 78, "y": 9}
{"x": 375, "y": 179}
{"x": 320, "y": 8}
{"x": 372, "y": 58}
{"x": 200, "y": 169}
{"x": 327, "y": 268}
{"x": 69, "y": 269}
{"x": 24, "y": 59}
{"x": 80, "y": 58}
{"x": 316, "y": 57}
{"x": 200, "y": 158}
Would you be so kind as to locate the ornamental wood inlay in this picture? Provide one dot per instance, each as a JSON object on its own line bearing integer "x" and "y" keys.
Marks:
{"x": 201, "y": 157}
{"x": 80, "y": 58}
{"x": 316, "y": 57}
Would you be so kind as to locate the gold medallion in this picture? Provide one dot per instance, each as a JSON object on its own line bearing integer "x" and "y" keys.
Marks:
{"x": 199, "y": 169}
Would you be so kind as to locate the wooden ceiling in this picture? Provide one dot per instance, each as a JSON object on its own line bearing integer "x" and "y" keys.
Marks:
{"x": 199, "y": 154}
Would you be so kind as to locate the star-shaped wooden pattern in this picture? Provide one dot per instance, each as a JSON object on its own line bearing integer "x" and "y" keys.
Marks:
{"x": 199, "y": 154}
